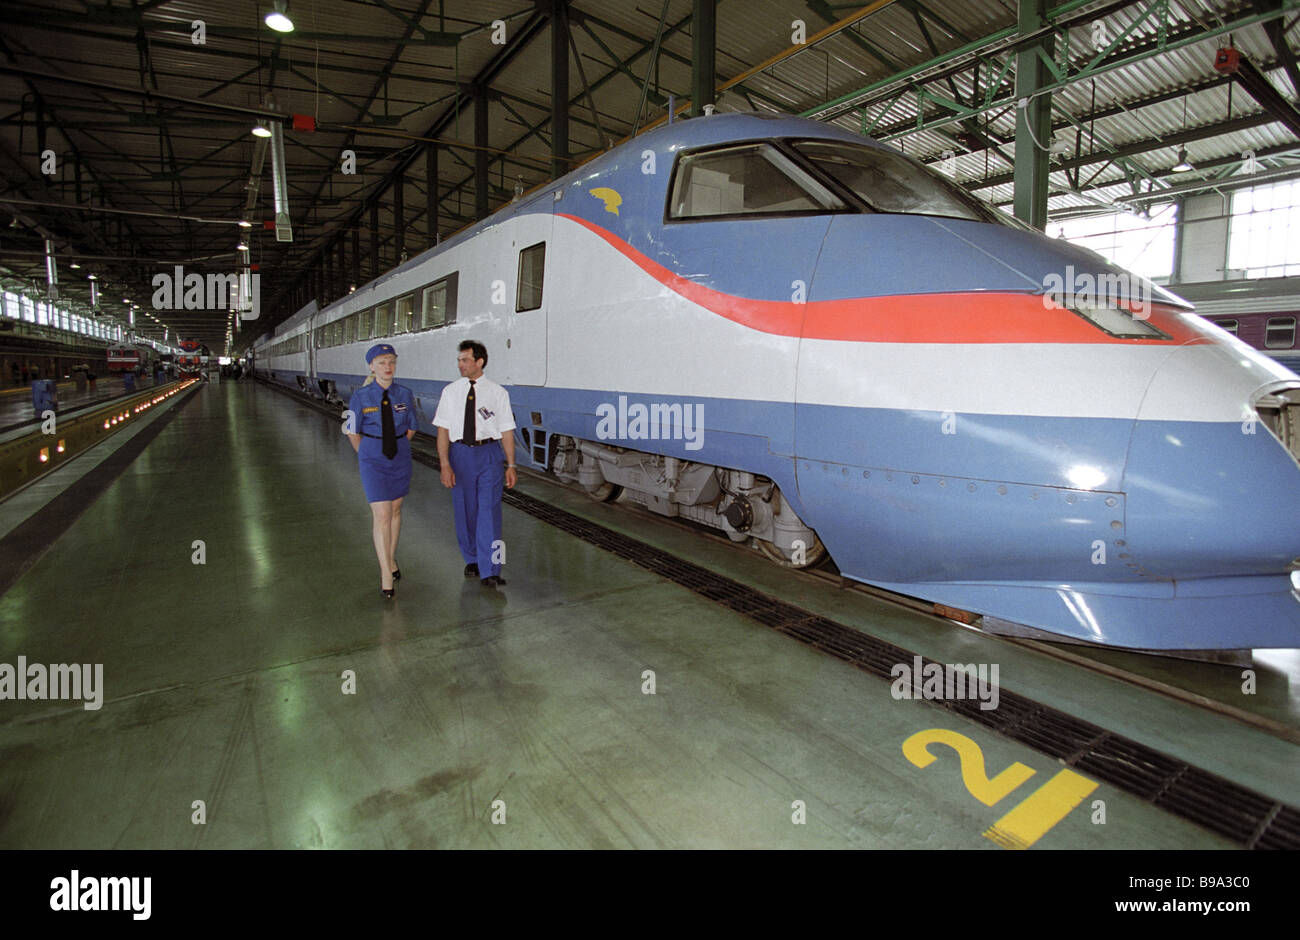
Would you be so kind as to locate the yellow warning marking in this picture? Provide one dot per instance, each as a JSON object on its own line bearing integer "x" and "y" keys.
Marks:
{"x": 1040, "y": 811}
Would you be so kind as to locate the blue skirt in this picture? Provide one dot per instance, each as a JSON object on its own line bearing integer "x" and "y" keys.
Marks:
{"x": 382, "y": 478}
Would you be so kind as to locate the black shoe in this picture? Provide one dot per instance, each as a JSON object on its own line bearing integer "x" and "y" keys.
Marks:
{"x": 493, "y": 581}
{"x": 471, "y": 570}
{"x": 387, "y": 592}
{"x": 397, "y": 575}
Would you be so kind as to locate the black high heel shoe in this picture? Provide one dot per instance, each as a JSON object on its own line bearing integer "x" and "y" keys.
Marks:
{"x": 387, "y": 593}
{"x": 397, "y": 575}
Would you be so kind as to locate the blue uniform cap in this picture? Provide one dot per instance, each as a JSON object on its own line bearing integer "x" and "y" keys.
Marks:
{"x": 379, "y": 349}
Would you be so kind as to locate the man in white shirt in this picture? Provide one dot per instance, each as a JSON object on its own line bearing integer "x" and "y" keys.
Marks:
{"x": 474, "y": 422}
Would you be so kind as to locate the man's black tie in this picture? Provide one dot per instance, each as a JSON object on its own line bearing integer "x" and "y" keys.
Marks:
{"x": 390, "y": 432}
{"x": 470, "y": 434}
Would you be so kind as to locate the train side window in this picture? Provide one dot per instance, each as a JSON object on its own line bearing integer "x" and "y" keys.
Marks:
{"x": 532, "y": 261}
{"x": 1279, "y": 333}
{"x": 350, "y": 329}
{"x": 383, "y": 320}
{"x": 405, "y": 314}
{"x": 1229, "y": 325}
{"x": 753, "y": 179}
{"x": 440, "y": 302}
{"x": 364, "y": 325}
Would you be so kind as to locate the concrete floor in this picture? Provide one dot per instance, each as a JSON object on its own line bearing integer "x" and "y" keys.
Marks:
{"x": 223, "y": 682}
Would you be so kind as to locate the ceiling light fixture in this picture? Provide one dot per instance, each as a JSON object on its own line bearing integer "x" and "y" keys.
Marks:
{"x": 241, "y": 247}
{"x": 244, "y": 223}
{"x": 278, "y": 18}
{"x": 261, "y": 130}
{"x": 1182, "y": 166}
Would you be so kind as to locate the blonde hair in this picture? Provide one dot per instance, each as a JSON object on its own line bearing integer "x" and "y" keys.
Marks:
{"x": 369, "y": 378}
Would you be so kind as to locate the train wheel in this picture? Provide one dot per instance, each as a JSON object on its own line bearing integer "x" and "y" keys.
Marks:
{"x": 606, "y": 493}
{"x": 814, "y": 555}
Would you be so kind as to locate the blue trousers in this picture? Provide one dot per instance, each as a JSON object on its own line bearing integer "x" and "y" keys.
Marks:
{"x": 476, "y": 500}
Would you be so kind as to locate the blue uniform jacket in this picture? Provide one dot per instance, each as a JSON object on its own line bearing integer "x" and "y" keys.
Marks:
{"x": 364, "y": 405}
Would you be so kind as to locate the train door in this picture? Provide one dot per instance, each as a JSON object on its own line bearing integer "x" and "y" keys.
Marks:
{"x": 530, "y": 240}
{"x": 309, "y": 339}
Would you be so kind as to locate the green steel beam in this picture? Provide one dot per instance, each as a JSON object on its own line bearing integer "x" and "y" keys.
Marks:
{"x": 864, "y": 96}
{"x": 1153, "y": 49}
{"x": 704, "y": 53}
{"x": 1033, "y": 118}
{"x": 970, "y": 48}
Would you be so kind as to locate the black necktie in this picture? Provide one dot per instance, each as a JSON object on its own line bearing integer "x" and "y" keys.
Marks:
{"x": 390, "y": 433}
{"x": 469, "y": 435}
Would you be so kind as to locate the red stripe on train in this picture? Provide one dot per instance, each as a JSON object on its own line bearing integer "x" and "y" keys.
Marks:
{"x": 965, "y": 317}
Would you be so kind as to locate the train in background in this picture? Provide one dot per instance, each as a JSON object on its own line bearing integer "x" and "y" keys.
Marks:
{"x": 1261, "y": 312}
{"x": 192, "y": 359}
{"x": 810, "y": 342}
{"x": 130, "y": 358}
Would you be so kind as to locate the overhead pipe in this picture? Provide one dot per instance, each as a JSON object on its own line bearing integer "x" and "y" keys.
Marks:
{"x": 283, "y": 228}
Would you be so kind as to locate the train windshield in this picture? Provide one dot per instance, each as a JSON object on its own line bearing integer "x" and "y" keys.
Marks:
{"x": 752, "y": 179}
{"x": 889, "y": 182}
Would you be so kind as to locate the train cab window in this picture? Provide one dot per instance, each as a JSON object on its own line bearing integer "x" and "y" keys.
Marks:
{"x": 383, "y": 320}
{"x": 1229, "y": 325}
{"x": 890, "y": 182}
{"x": 440, "y": 302}
{"x": 405, "y": 314}
{"x": 753, "y": 179}
{"x": 1279, "y": 333}
{"x": 532, "y": 261}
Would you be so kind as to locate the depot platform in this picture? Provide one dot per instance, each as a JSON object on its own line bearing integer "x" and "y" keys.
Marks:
{"x": 257, "y": 692}
{"x": 16, "y": 403}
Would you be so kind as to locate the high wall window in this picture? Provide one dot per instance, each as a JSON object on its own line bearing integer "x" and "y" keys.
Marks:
{"x": 1134, "y": 243}
{"x": 1264, "y": 230}
{"x": 12, "y": 306}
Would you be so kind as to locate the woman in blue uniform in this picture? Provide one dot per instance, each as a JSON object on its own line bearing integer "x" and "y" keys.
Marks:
{"x": 384, "y": 416}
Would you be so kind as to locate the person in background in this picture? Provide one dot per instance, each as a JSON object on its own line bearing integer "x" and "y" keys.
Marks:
{"x": 383, "y": 413}
{"x": 474, "y": 422}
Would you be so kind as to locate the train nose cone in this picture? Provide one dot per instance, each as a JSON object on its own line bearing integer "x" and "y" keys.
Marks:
{"x": 1212, "y": 489}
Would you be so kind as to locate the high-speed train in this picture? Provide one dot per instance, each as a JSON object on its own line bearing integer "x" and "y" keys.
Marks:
{"x": 805, "y": 339}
